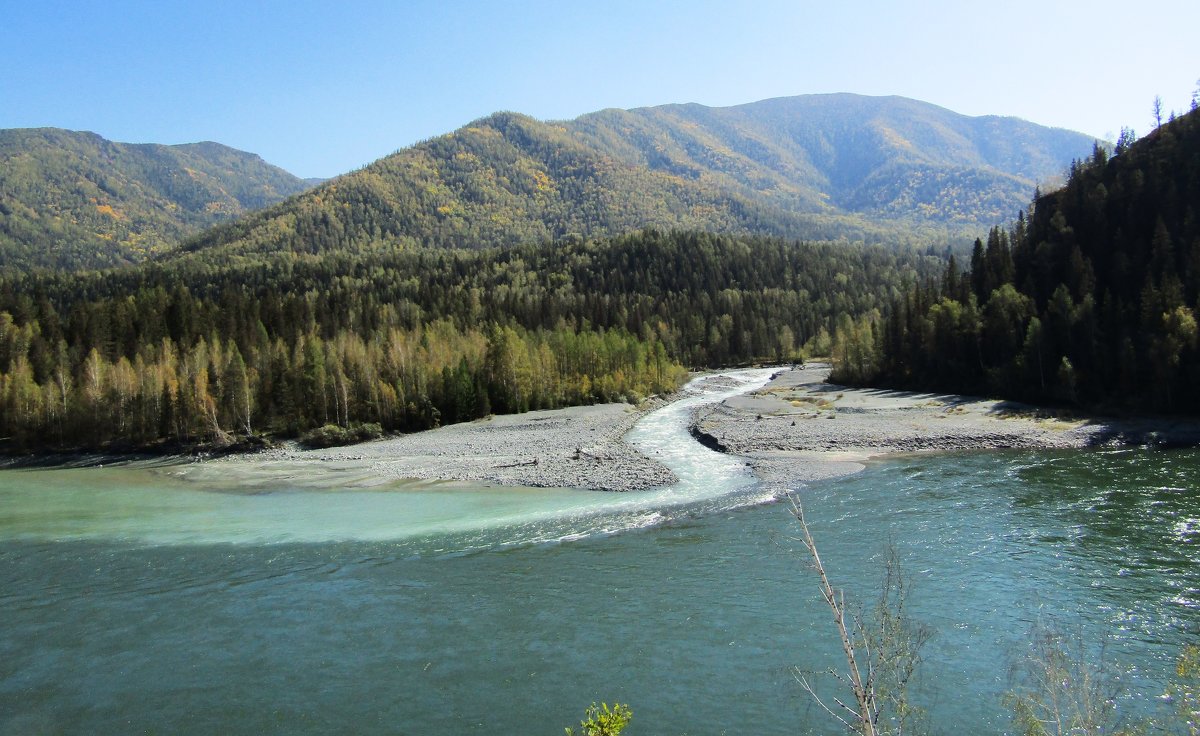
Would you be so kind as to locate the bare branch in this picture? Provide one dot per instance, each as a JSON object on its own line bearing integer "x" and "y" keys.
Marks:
{"x": 808, "y": 688}
{"x": 867, "y": 711}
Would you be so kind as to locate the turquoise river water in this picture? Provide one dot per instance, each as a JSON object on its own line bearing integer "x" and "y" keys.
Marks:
{"x": 228, "y": 598}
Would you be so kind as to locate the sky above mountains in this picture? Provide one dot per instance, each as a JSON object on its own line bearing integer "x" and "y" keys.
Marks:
{"x": 321, "y": 88}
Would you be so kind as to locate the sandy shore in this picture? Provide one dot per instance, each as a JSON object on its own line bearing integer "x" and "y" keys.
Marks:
{"x": 800, "y": 428}
{"x": 578, "y": 447}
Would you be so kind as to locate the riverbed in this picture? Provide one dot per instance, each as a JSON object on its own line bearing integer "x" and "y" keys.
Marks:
{"x": 178, "y": 599}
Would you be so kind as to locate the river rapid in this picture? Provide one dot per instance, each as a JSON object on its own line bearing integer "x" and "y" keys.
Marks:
{"x": 211, "y": 597}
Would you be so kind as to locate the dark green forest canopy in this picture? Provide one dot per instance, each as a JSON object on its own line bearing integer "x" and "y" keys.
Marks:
{"x": 1091, "y": 300}
{"x": 200, "y": 346}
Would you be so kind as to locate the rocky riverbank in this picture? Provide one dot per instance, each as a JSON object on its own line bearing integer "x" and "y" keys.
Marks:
{"x": 799, "y": 427}
{"x": 577, "y": 447}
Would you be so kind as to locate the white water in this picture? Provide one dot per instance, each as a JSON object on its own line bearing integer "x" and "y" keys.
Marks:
{"x": 252, "y": 502}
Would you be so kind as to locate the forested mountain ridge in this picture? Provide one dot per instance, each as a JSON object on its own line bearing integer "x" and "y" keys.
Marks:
{"x": 501, "y": 181}
{"x": 886, "y": 158}
{"x": 1092, "y": 300}
{"x": 74, "y": 200}
{"x": 822, "y": 168}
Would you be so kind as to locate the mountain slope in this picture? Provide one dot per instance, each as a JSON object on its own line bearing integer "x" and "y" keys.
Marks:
{"x": 817, "y": 167}
{"x": 76, "y": 200}
{"x": 886, "y": 158}
{"x": 501, "y": 181}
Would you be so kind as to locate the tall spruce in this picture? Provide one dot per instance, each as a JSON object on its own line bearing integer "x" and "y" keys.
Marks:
{"x": 1090, "y": 300}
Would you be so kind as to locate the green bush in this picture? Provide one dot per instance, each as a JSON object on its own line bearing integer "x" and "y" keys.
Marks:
{"x": 601, "y": 721}
{"x": 331, "y": 435}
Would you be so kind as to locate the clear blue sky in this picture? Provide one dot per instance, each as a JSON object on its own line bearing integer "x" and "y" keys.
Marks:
{"x": 320, "y": 88}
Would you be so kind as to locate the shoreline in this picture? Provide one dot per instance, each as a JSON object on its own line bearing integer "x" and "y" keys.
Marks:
{"x": 579, "y": 447}
{"x": 799, "y": 428}
{"x": 795, "y": 430}
{"x": 573, "y": 447}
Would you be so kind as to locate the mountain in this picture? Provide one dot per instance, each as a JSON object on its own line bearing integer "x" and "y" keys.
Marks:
{"x": 501, "y": 181}
{"x": 76, "y": 200}
{"x": 816, "y": 167}
{"x": 819, "y": 167}
{"x": 886, "y": 158}
{"x": 1092, "y": 300}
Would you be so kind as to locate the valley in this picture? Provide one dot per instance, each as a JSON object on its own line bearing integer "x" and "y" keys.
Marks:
{"x": 502, "y": 422}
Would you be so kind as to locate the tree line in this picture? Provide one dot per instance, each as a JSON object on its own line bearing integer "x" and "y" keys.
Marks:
{"x": 203, "y": 348}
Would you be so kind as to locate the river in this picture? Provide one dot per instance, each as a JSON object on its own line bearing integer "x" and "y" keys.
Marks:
{"x": 192, "y": 598}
